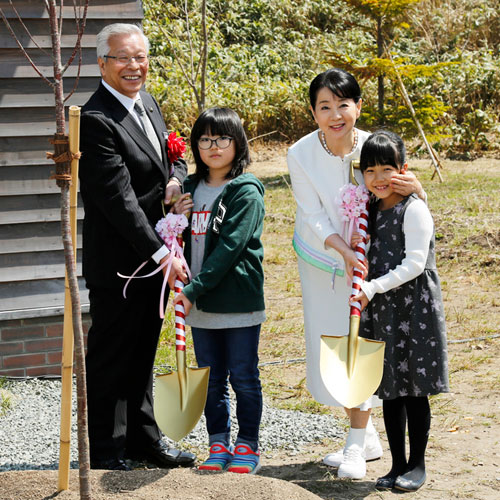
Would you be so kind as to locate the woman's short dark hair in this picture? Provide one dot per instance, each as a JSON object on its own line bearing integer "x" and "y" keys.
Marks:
{"x": 220, "y": 121}
{"x": 340, "y": 82}
{"x": 383, "y": 147}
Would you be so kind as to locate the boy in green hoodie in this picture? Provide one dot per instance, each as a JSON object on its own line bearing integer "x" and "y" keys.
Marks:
{"x": 224, "y": 302}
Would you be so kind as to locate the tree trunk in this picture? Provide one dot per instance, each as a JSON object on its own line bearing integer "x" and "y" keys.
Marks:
{"x": 62, "y": 158}
{"x": 381, "y": 90}
{"x": 204, "y": 56}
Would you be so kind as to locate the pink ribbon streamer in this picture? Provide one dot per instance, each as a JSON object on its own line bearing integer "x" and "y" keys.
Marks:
{"x": 172, "y": 242}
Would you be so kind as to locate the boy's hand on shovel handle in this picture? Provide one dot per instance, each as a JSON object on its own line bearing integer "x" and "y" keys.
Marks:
{"x": 182, "y": 299}
{"x": 182, "y": 204}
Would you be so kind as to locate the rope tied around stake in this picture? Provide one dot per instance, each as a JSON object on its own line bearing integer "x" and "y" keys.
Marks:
{"x": 62, "y": 157}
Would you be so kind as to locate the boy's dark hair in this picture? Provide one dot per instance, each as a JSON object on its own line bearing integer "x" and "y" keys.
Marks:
{"x": 220, "y": 121}
{"x": 340, "y": 82}
{"x": 383, "y": 147}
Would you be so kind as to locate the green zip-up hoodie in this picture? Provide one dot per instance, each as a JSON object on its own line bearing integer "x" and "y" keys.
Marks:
{"x": 231, "y": 278}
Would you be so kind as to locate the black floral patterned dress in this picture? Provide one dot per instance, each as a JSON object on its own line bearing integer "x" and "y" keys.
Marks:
{"x": 408, "y": 318}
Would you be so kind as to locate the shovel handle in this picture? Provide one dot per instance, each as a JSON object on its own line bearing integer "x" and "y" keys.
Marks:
{"x": 360, "y": 251}
{"x": 180, "y": 321}
{"x": 180, "y": 316}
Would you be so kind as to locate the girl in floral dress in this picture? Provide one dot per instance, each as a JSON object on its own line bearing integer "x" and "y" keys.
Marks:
{"x": 402, "y": 307}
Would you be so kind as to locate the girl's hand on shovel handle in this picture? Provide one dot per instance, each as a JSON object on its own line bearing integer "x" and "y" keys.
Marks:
{"x": 356, "y": 239}
{"x": 181, "y": 298}
{"x": 361, "y": 298}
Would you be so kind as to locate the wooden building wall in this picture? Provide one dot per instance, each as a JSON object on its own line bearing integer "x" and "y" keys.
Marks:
{"x": 31, "y": 252}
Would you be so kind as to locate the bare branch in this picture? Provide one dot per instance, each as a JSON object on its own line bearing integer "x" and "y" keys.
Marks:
{"x": 80, "y": 28}
{"x": 262, "y": 135}
{"x": 190, "y": 41}
{"x": 191, "y": 82}
{"x": 204, "y": 53}
{"x": 60, "y": 20}
{"x": 26, "y": 29}
{"x": 77, "y": 79}
{"x": 23, "y": 50}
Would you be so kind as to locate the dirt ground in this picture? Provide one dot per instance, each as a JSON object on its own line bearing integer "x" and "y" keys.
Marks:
{"x": 463, "y": 458}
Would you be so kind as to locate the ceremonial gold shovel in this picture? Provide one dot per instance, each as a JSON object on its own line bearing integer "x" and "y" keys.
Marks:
{"x": 180, "y": 396}
{"x": 351, "y": 366}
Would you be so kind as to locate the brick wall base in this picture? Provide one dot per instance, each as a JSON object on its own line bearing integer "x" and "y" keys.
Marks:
{"x": 33, "y": 347}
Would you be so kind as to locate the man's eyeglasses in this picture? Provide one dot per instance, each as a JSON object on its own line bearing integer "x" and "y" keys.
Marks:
{"x": 222, "y": 142}
{"x": 128, "y": 60}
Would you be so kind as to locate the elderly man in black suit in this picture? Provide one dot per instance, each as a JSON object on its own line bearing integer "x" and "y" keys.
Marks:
{"x": 125, "y": 176}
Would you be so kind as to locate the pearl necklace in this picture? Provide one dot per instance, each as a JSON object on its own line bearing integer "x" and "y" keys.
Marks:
{"x": 327, "y": 149}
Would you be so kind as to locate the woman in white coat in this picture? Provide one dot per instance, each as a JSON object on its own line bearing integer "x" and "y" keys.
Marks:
{"x": 319, "y": 166}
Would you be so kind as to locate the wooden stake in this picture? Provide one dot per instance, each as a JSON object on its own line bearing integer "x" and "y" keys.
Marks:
{"x": 68, "y": 338}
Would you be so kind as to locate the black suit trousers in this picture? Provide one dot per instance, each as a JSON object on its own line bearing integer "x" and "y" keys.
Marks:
{"x": 122, "y": 343}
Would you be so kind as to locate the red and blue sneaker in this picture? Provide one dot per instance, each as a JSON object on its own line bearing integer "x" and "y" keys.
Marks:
{"x": 245, "y": 461}
{"x": 218, "y": 459}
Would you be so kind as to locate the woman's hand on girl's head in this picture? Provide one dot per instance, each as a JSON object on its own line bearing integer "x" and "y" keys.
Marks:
{"x": 360, "y": 297}
{"x": 406, "y": 183}
{"x": 182, "y": 299}
{"x": 183, "y": 205}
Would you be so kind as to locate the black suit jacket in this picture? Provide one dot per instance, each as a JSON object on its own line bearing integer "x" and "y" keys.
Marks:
{"x": 122, "y": 183}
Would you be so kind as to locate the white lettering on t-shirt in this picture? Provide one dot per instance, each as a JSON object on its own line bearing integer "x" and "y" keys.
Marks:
{"x": 199, "y": 222}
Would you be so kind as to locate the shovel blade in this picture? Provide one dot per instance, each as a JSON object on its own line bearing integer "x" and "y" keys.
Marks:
{"x": 178, "y": 406}
{"x": 351, "y": 387}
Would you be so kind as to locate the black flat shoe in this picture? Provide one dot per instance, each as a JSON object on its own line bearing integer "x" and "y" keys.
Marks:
{"x": 385, "y": 483}
{"x": 407, "y": 482}
{"x": 111, "y": 464}
{"x": 162, "y": 456}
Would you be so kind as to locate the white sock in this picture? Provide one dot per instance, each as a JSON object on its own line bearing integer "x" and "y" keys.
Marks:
{"x": 355, "y": 437}
{"x": 370, "y": 428}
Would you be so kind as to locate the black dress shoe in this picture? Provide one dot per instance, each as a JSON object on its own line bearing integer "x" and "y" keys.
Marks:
{"x": 410, "y": 481}
{"x": 111, "y": 464}
{"x": 385, "y": 483}
{"x": 162, "y": 456}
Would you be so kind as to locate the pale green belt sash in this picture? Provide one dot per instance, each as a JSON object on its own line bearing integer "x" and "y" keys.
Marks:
{"x": 316, "y": 258}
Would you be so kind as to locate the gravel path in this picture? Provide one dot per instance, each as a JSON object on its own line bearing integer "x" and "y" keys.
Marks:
{"x": 29, "y": 432}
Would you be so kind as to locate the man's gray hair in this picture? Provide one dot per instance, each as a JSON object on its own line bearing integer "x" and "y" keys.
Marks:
{"x": 116, "y": 29}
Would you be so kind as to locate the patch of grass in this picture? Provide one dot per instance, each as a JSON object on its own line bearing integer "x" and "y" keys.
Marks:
{"x": 5, "y": 397}
{"x": 165, "y": 355}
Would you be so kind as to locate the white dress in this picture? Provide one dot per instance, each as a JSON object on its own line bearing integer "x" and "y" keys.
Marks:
{"x": 317, "y": 178}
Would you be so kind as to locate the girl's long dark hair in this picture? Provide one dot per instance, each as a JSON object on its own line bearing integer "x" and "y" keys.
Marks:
{"x": 220, "y": 121}
{"x": 383, "y": 147}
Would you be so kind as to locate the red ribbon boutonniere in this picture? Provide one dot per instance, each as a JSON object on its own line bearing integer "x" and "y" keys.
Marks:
{"x": 176, "y": 147}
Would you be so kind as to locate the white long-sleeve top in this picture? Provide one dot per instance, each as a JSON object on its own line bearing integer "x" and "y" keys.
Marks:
{"x": 317, "y": 179}
{"x": 418, "y": 228}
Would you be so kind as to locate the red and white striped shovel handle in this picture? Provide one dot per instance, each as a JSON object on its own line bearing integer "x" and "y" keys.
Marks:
{"x": 180, "y": 319}
{"x": 360, "y": 254}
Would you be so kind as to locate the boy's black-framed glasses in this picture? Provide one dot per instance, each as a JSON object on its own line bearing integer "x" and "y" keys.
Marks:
{"x": 222, "y": 142}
